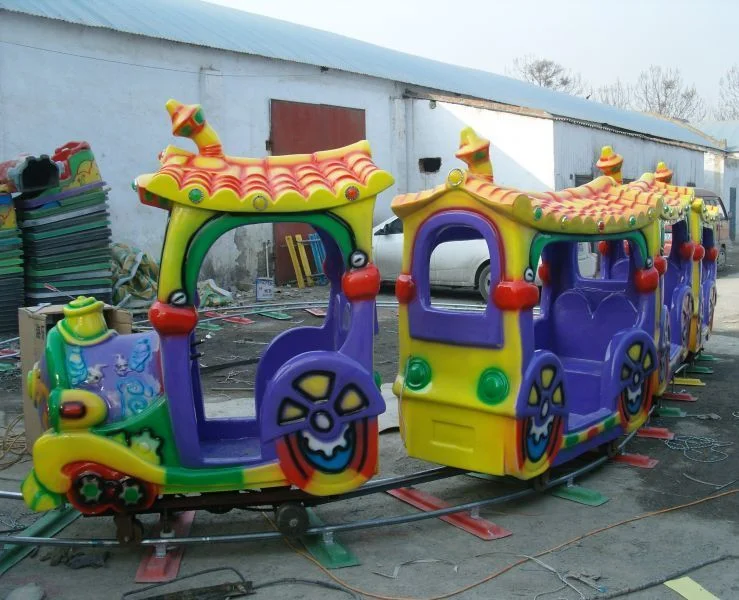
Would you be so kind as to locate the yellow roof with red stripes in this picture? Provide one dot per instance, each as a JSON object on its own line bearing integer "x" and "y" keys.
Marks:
{"x": 601, "y": 206}
{"x": 302, "y": 182}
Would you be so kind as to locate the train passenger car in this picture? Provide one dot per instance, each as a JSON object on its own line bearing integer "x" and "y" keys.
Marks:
{"x": 689, "y": 282}
{"x": 709, "y": 268}
{"x": 503, "y": 392}
{"x": 125, "y": 413}
{"x": 687, "y": 265}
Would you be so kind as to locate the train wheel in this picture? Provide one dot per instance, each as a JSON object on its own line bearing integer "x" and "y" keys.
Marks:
{"x": 541, "y": 482}
{"x": 664, "y": 355}
{"x": 129, "y": 531}
{"x": 613, "y": 448}
{"x": 96, "y": 489}
{"x": 711, "y": 307}
{"x": 325, "y": 467}
{"x": 686, "y": 317}
{"x": 636, "y": 366}
{"x": 540, "y": 433}
{"x": 291, "y": 519}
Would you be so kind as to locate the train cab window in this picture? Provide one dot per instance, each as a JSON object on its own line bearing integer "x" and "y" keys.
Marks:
{"x": 441, "y": 238}
{"x": 587, "y": 260}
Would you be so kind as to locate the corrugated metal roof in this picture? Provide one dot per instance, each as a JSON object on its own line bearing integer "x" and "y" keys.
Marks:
{"x": 723, "y": 130}
{"x": 204, "y": 24}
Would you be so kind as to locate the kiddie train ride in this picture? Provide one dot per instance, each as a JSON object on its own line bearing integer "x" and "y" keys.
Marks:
{"x": 497, "y": 391}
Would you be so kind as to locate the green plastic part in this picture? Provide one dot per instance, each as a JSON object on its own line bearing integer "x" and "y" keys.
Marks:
{"x": 707, "y": 358}
{"x": 331, "y": 553}
{"x": 542, "y": 239}
{"x": 378, "y": 379}
{"x": 155, "y": 420}
{"x": 670, "y": 411}
{"x": 275, "y": 314}
{"x": 67, "y": 230}
{"x": 493, "y": 386}
{"x": 48, "y": 525}
{"x": 699, "y": 370}
{"x": 201, "y": 480}
{"x": 418, "y": 373}
{"x": 579, "y": 494}
{"x": 207, "y": 326}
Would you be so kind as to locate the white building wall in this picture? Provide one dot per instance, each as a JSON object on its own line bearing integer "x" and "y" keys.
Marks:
{"x": 577, "y": 148}
{"x": 116, "y": 100}
{"x": 520, "y": 148}
{"x": 714, "y": 164}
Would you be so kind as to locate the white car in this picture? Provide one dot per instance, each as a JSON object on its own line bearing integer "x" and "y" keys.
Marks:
{"x": 462, "y": 264}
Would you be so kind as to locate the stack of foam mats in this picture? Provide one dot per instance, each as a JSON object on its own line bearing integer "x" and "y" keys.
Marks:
{"x": 66, "y": 232}
{"x": 11, "y": 267}
{"x": 22, "y": 174}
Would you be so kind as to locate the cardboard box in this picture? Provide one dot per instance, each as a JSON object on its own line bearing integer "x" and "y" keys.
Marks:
{"x": 33, "y": 325}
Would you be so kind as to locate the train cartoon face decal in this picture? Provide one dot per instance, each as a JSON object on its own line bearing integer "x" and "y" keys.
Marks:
{"x": 497, "y": 391}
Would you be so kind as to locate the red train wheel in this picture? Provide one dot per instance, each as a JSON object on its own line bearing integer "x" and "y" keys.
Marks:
{"x": 96, "y": 489}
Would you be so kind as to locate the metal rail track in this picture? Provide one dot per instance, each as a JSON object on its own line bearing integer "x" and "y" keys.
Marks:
{"x": 374, "y": 487}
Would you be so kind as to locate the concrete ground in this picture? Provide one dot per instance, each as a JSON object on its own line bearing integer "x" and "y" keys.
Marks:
{"x": 618, "y": 557}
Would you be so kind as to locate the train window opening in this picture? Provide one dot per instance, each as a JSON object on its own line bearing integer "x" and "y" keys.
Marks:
{"x": 582, "y": 179}
{"x": 438, "y": 240}
{"x": 444, "y": 265}
{"x": 588, "y": 261}
{"x": 429, "y": 164}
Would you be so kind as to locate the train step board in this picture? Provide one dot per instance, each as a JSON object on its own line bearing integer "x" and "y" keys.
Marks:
{"x": 327, "y": 549}
{"x": 636, "y": 460}
{"x": 707, "y": 358}
{"x": 478, "y": 527}
{"x": 688, "y": 381}
{"x": 581, "y": 495}
{"x": 163, "y": 564}
{"x": 655, "y": 433}
{"x": 679, "y": 397}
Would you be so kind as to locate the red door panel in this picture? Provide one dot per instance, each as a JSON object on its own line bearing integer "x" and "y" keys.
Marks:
{"x": 301, "y": 128}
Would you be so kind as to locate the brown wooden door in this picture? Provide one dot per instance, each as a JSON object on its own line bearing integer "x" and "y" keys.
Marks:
{"x": 300, "y": 128}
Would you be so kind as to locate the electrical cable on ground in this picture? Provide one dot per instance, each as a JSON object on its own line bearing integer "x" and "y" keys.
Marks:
{"x": 699, "y": 448}
{"x": 154, "y": 586}
{"x": 661, "y": 580}
{"x": 243, "y": 580}
{"x": 511, "y": 566}
{"x": 314, "y": 582}
{"x": 13, "y": 444}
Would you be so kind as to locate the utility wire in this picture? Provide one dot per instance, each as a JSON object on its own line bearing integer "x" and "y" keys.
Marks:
{"x": 156, "y": 68}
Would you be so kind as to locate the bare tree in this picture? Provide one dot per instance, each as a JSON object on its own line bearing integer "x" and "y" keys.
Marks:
{"x": 616, "y": 94}
{"x": 728, "y": 96}
{"x": 663, "y": 91}
{"x": 549, "y": 74}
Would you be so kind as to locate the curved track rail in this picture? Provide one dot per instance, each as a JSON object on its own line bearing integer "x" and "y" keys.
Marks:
{"x": 373, "y": 487}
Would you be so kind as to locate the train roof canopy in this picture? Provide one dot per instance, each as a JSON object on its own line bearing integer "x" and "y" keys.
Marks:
{"x": 293, "y": 183}
{"x": 599, "y": 207}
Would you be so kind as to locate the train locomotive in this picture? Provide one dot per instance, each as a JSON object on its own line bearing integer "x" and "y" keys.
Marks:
{"x": 500, "y": 391}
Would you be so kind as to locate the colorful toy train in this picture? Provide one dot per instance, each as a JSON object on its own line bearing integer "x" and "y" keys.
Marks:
{"x": 498, "y": 391}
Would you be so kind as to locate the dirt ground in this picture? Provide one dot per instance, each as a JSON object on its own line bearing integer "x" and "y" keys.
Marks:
{"x": 622, "y": 553}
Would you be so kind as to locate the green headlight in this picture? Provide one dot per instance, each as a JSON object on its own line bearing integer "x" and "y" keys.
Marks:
{"x": 418, "y": 373}
{"x": 493, "y": 386}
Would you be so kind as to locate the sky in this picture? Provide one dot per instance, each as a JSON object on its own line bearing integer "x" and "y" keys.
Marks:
{"x": 602, "y": 40}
